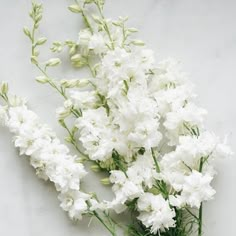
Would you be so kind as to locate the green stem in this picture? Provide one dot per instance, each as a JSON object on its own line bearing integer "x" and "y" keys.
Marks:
{"x": 104, "y": 224}
{"x": 200, "y": 221}
{"x": 155, "y": 161}
{"x": 194, "y": 216}
{"x": 73, "y": 141}
{"x": 106, "y": 28}
{"x": 86, "y": 21}
{"x": 201, "y": 206}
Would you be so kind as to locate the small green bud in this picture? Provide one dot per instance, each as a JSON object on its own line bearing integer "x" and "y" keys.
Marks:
{"x": 132, "y": 30}
{"x": 42, "y": 79}
{"x": 53, "y": 62}
{"x": 56, "y": 46}
{"x": 62, "y": 123}
{"x": 72, "y": 83}
{"x": 27, "y": 32}
{"x": 95, "y": 168}
{"x": 138, "y": 43}
{"x": 68, "y": 139}
{"x": 117, "y": 23}
{"x": 72, "y": 50}
{"x": 105, "y": 181}
{"x": 97, "y": 19}
{"x": 4, "y": 88}
{"x": 41, "y": 41}
{"x": 75, "y": 8}
{"x": 38, "y": 18}
{"x": 78, "y": 60}
{"x": 34, "y": 60}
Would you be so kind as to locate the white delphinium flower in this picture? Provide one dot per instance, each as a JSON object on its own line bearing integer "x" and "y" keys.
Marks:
{"x": 138, "y": 118}
{"x": 113, "y": 71}
{"x": 98, "y": 135}
{"x": 197, "y": 189}
{"x": 32, "y": 138}
{"x": 65, "y": 173}
{"x": 48, "y": 156}
{"x": 172, "y": 99}
{"x": 74, "y": 202}
{"x": 144, "y": 57}
{"x": 116, "y": 63}
{"x": 20, "y": 116}
{"x": 155, "y": 212}
{"x": 189, "y": 153}
{"x": 124, "y": 189}
{"x": 84, "y": 99}
{"x": 127, "y": 186}
{"x": 180, "y": 121}
{"x": 97, "y": 44}
{"x": 142, "y": 171}
{"x": 169, "y": 74}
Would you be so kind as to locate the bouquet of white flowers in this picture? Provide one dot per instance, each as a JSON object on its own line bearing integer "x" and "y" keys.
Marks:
{"x": 130, "y": 117}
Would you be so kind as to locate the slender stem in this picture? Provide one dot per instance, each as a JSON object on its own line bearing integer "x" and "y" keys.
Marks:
{"x": 103, "y": 223}
{"x": 106, "y": 28}
{"x": 200, "y": 221}
{"x": 192, "y": 214}
{"x": 155, "y": 160}
{"x": 86, "y": 21}
{"x": 201, "y": 206}
{"x": 73, "y": 141}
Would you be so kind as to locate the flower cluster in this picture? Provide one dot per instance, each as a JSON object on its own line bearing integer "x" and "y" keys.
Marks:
{"x": 133, "y": 118}
{"x": 47, "y": 155}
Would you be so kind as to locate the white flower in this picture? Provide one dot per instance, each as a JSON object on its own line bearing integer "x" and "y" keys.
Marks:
{"x": 142, "y": 171}
{"x": 169, "y": 73}
{"x": 179, "y": 122}
{"x": 97, "y": 44}
{"x": 84, "y": 99}
{"x": 49, "y": 157}
{"x": 155, "y": 212}
{"x": 20, "y": 116}
{"x": 171, "y": 99}
{"x": 197, "y": 189}
{"x": 124, "y": 188}
{"x": 75, "y": 203}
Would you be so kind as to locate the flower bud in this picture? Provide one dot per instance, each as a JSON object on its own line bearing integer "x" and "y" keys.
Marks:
{"x": 95, "y": 168}
{"x": 42, "y": 79}
{"x": 68, "y": 139}
{"x": 34, "y": 60}
{"x": 53, "y": 62}
{"x": 41, "y": 41}
{"x": 27, "y": 32}
{"x": 138, "y": 43}
{"x": 78, "y": 60}
{"x": 132, "y": 30}
{"x": 4, "y": 88}
{"x": 75, "y": 8}
{"x": 105, "y": 181}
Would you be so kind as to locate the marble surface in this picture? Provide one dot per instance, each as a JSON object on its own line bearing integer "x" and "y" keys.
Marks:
{"x": 201, "y": 33}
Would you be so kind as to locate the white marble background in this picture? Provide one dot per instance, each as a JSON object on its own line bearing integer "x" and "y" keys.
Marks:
{"x": 201, "y": 33}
